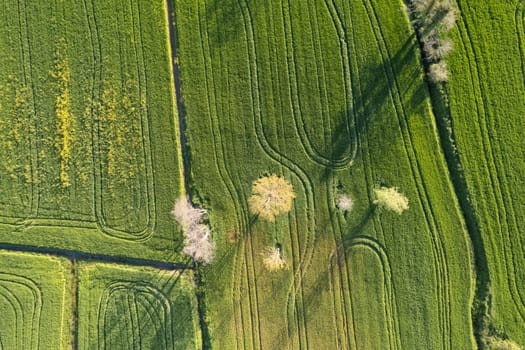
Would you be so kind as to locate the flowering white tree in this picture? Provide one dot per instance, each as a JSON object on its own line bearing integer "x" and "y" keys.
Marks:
{"x": 344, "y": 203}
{"x": 198, "y": 243}
{"x": 185, "y": 214}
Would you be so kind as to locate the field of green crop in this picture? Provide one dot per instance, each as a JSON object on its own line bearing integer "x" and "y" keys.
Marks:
{"x": 35, "y": 302}
{"x": 486, "y": 105}
{"x": 90, "y": 148}
{"x": 333, "y": 97}
{"x": 329, "y": 94}
{"x": 122, "y": 307}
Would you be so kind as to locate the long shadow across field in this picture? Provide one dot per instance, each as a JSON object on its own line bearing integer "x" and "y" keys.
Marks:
{"x": 373, "y": 96}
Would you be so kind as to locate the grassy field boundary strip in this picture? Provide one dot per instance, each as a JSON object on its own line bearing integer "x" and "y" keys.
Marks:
{"x": 178, "y": 118}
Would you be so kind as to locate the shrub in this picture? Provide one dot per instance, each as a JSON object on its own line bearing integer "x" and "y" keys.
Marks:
{"x": 438, "y": 72}
{"x": 344, "y": 203}
{"x": 272, "y": 259}
{"x": 503, "y": 344}
{"x": 391, "y": 199}
{"x": 271, "y": 195}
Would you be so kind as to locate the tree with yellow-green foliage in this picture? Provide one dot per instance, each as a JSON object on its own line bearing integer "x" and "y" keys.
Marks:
{"x": 271, "y": 196}
{"x": 273, "y": 259}
{"x": 390, "y": 198}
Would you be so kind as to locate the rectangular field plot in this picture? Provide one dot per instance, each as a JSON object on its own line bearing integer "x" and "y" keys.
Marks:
{"x": 35, "y": 302}
{"x": 89, "y": 154}
{"x": 123, "y": 307}
{"x": 487, "y": 111}
{"x": 329, "y": 94}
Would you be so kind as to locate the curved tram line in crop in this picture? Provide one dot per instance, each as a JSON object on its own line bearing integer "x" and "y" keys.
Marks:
{"x": 389, "y": 307}
{"x": 26, "y": 82}
{"x": 505, "y": 215}
{"x": 295, "y": 303}
{"x": 119, "y": 319}
{"x": 346, "y": 159}
{"x": 145, "y": 131}
{"x": 243, "y": 267}
{"x": 295, "y": 295}
{"x": 438, "y": 249}
{"x": 25, "y": 329}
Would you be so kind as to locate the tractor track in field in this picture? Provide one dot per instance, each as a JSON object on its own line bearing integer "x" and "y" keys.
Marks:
{"x": 128, "y": 296}
{"x": 19, "y": 309}
{"x": 243, "y": 267}
{"x": 295, "y": 298}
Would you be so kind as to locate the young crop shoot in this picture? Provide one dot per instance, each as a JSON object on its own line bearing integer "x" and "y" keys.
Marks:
{"x": 271, "y": 196}
{"x": 197, "y": 236}
{"x": 273, "y": 259}
{"x": 344, "y": 203}
{"x": 390, "y": 198}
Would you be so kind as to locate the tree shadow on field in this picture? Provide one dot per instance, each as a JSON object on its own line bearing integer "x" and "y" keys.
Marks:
{"x": 396, "y": 85}
{"x": 224, "y": 19}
